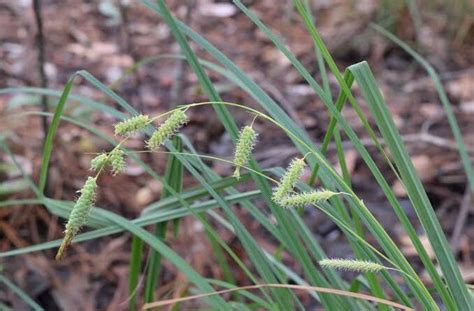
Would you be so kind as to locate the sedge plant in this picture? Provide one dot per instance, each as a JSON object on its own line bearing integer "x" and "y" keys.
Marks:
{"x": 281, "y": 190}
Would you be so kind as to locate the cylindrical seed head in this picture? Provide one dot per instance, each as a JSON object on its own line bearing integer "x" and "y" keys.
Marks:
{"x": 132, "y": 125}
{"x": 244, "y": 147}
{"x": 351, "y": 265}
{"x": 79, "y": 213}
{"x": 99, "y": 162}
{"x": 289, "y": 179}
{"x": 168, "y": 129}
{"x": 117, "y": 161}
{"x": 306, "y": 198}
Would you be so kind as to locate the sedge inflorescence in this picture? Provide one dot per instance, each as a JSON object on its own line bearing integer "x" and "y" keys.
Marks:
{"x": 289, "y": 179}
{"x": 132, "y": 125}
{"x": 284, "y": 195}
{"x": 99, "y": 162}
{"x": 306, "y": 198}
{"x": 168, "y": 129}
{"x": 244, "y": 147}
{"x": 79, "y": 213}
{"x": 117, "y": 161}
{"x": 351, "y": 265}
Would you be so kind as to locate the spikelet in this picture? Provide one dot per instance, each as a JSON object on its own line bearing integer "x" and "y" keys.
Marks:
{"x": 117, "y": 161}
{"x": 243, "y": 149}
{"x": 351, "y": 265}
{"x": 289, "y": 179}
{"x": 79, "y": 213}
{"x": 99, "y": 162}
{"x": 306, "y": 198}
{"x": 132, "y": 125}
{"x": 169, "y": 128}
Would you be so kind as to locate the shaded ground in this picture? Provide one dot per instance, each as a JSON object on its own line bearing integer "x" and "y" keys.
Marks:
{"x": 105, "y": 39}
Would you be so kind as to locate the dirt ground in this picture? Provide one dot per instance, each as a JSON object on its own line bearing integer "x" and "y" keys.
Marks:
{"x": 107, "y": 37}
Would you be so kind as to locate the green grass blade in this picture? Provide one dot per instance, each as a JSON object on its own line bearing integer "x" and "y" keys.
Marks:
{"x": 48, "y": 143}
{"x": 304, "y": 73}
{"x": 170, "y": 255}
{"x": 170, "y": 212}
{"x": 304, "y": 141}
{"x": 468, "y": 167}
{"x": 23, "y": 296}
{"x": 174, "y": 177}
{"x": 282, "y": 297}
{"x": 134, "y": 271}
{"x": 9, "y": 203}
{"x": 415, "y": 191}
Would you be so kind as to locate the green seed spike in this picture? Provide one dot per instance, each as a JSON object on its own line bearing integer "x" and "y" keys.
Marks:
{"x": 351, "y": 265}
{"x": 132, "y": 125}
{"x": 244, "y": 147}
{"x": 117, "y": 161}
{"x": 168, "y": 129}
{"x": 306, "y": 198}
{"x": 289, "y": 179}
{"x": 79, "y": 213}
{"x": 99, "y": 162}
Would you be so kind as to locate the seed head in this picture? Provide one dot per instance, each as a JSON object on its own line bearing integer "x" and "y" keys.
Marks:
{"x": 168, "y": 129}
{"x": 117, "y": 161}
{"x": 306, "y": 198}
{"x": 79, "y": 213}
{"x": 99, "y": 162}
{"x": 244, "y": 147}
{"x": 132, "y": 125}
{"x": 289, "y": 179}
{"x": 351, "y": 265}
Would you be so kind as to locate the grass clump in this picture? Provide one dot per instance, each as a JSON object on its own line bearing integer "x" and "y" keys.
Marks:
{"x": 296, "y": 240}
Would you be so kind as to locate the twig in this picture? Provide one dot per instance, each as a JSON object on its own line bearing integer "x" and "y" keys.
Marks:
{"x": 41, "y": 60}
{"x": 129, "y": 47}
{"x": 180, "y": 65}
{"x": 461, "y": 220}
{"x": 40, "y": 67}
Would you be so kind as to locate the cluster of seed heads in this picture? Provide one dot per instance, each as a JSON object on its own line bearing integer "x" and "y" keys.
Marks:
{"x": 351, "y": 265}
{"x": 284, "y": 196}
{"x": 244, "y": 147}
{"x": 116, "y": 160}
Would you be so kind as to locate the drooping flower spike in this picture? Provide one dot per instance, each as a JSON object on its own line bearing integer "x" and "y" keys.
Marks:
{"x": 244, "y": 147}
{"x": 306, "y": 198}
{"x": 352, "y": 265}
{"x": 168, "y": 129}
{"x": 132, "y": 125}
{"x": 79, "y": 213}
{"x": 99, "y": 162}
{"x": 117, "y": 161}
{"x": 289, "y": 179}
